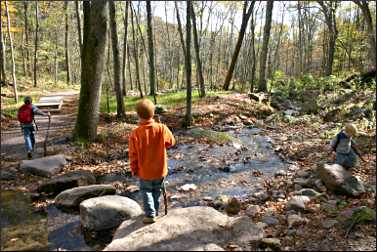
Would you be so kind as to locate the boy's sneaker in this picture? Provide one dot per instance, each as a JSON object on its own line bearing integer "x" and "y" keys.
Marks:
{"x": 149, "y": 220}
{"x": 29, "y": 155}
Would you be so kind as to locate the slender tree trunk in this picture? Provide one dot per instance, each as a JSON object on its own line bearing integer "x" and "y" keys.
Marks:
{"x": 202, "y": 92}
{"x": 125, "y": 46}
{"x": 188, "y": 65}
{"x": 245, "y": 18}
{"x": 26, "y": 28}
{"x": 180, "y": 29}
{"x": 170, "y": 52}
{"x": 36, "y": 42}
{"x": 116, "y": 61}
{"x": 23, "y": 54}
{"x": 77, "y": 5}
{"x": 12, "y": 54}
{"x": 2, "y": 51}
{"x": 329, "y": 9}
{"x": 135, "y": 55}
{"x": 253, "y": 66}
{"x": 266, "y": 36}
{"x": 363, "y": 4}
{"x": 93, "y": 62}
{"x": 66, "y": 45}
{"x": 152, "y": 83}
{"x": 56, "y": 57}
{"x": 129, "y": 66}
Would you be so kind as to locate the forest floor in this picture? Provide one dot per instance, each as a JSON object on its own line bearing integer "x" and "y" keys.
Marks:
{"x": 301, "y": 141}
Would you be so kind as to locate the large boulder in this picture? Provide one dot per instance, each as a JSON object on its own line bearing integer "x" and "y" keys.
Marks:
{"x": 45, "y": 167}
{"x": 66, "y": 181}
{"x": 192, "y": 228}
{"x": 72, "y": 198}
{"x": 339, "y": 181}
{"x": 106, "y": 212}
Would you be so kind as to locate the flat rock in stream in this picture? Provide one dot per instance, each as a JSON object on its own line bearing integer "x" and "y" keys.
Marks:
{"x": 106, "y": 212}
{"x": 45, "y": 167}
{"x": 340, "y": 181}
{"x": 66, "y": 181}
{"x": 72, "y": 198}
{"x": 192, "y": 228}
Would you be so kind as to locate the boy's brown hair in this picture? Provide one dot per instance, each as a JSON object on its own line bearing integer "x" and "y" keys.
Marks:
{"x": 145, "y": 109}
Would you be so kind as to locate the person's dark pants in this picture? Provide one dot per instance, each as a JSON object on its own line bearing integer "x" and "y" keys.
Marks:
{"x": 151, "y": 191}
{"x": 29, "y": 137}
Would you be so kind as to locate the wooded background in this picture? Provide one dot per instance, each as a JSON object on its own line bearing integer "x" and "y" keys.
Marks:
{"x": 148, "y": 46}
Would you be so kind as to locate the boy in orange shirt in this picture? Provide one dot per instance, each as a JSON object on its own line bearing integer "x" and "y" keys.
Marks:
{"x": 148, "y": 158}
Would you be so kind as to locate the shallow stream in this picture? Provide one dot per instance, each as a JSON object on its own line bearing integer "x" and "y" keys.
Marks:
{"x": 225, "y": 169}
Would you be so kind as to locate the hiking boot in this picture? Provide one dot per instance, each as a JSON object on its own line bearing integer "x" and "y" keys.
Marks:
{"x": 29, "y": 155}
{"x": 149, "y": 220}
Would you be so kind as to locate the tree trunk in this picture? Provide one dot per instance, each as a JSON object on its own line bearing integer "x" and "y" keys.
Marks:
{"x": 188, "y": 65}
{"x": 2, "y": 51}
{"x": 12, "y": 54}
{"x": 116, "y": 60}
{"x": 180, "y": 29}
{"x": 266, "y": 36}
{"x": 56, "y": 57}
{"x": 26, "y": 25}
{"x": 202, "y": 92}
{"x": 151, "y": 52}
{"x": 253, "y": 66}
{"x": 66, "y": 43}
{"x": 245, "y": 18}
{"x": 135, "y": 55}
{"x": 93, "y": 62}
{"x": 129, "y": 66}
{"x": 363, "y": 4}
{"x": 78, "y": 24}
{"x": 36, "y": 42}
{"x": 125, "y": 46}
{"x": 329, "y": 9}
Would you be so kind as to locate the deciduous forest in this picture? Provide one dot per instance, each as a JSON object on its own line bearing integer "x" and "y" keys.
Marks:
{"x": 272, "y": 105}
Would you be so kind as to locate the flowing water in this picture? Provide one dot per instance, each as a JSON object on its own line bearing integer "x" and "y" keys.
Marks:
{"x": 225, "y": 169}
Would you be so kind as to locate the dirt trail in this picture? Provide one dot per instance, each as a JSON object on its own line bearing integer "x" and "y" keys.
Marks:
{"x": 62, "y": 123}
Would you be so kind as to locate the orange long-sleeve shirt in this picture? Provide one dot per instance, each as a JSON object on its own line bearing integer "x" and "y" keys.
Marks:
{"x": 147, "y": 150}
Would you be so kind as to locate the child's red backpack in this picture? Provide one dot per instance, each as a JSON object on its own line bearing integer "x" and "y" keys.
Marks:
{"x": 25, "y": 114}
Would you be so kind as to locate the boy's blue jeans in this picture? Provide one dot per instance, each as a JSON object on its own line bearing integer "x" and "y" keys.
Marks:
{"x": 151, "y": 191}
{"x": 29, "y": 137}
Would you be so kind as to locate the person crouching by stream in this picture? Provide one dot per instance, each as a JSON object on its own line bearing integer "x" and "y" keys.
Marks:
{"x": 345, "y": 147}
{"x": 148, "y": 158}
{"x": 25, "y": 116}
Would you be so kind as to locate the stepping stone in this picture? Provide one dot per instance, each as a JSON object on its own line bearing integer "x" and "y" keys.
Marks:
{"x": 106, "y": 212}
{"x": 185, "y": 229}
{"x": 72, "y": 198}
{"x": 340, "y": 181}
{"x": 66, "y": 181}
{"x": 44, "y": 167}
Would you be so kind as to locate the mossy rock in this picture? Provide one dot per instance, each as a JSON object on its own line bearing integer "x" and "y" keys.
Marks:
{"x": 211, "y": 136}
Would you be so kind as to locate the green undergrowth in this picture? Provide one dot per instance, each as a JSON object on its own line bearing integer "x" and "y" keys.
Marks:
{"x": 169, "y": 100}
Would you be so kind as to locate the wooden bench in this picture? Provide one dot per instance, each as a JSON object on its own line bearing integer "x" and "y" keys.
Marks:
{"x": 50, "y": 103}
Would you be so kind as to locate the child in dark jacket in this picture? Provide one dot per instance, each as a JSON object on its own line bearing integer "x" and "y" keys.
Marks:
{"x": 345, "y": 147}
